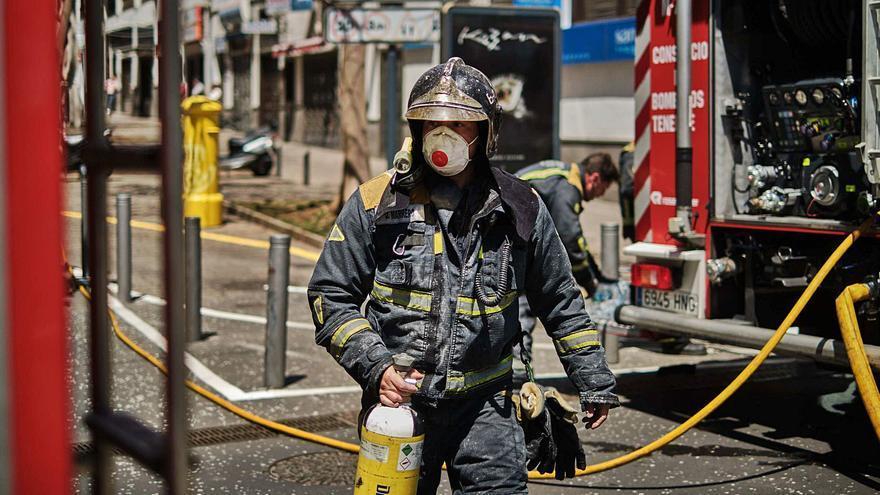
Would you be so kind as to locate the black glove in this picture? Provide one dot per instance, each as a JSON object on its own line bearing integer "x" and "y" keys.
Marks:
{"x": 597, "y": 272}
{"x": 541, "y": 450}
{"x": 589, "y": 283}
{"x": 549, "y": 424}
{"x": 563, "y": 419}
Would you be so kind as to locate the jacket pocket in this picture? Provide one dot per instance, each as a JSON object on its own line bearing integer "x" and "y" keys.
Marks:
{"x": 404, "y": 256}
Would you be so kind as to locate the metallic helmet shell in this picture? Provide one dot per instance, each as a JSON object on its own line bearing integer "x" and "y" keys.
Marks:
{"x": 455, "y": 91}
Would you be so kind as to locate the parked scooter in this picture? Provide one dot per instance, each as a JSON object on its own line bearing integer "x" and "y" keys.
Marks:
{"x": 255, "y": 151}
{"x": 74, "y": 145}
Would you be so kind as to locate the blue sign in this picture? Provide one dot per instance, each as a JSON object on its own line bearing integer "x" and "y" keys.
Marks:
{"x": 547, "y": 4}
{"x": 301, "y": 4}
{"x": 599, "y": 41}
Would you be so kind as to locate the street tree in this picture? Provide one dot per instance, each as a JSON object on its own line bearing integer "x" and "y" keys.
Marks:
{"x": 352, "y": 121}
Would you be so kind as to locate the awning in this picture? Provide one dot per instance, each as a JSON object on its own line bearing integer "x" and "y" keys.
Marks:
{"x": 315, "y": 44}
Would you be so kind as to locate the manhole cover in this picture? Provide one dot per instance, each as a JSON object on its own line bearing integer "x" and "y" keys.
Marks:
{"x": 316, "y": 469}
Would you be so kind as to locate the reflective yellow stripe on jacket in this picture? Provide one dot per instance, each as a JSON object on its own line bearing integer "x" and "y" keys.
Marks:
{"x": 459, "y": 383}
{"x": 421, "y": 301}
{"x": 468, "y": 306}
{"x": 577, "y": 340}
{"x": 411, "y": 299}
{"x": 345, "y": 331}
{"x": 573, "y": 174}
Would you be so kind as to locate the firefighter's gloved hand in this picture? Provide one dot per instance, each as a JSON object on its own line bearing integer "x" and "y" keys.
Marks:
{"x": 530, "y": 412}
{"x": 563, "y": 420}
{"x": 590, "y": 286}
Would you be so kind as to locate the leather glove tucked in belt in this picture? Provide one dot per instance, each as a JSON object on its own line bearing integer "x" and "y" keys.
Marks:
{"x": 548, "y": 421}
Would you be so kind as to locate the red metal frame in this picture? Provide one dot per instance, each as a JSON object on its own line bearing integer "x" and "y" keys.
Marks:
{"x": 654, "y": 170}
{"x": 37, "y": 343}
{"x": 785, "y": 228}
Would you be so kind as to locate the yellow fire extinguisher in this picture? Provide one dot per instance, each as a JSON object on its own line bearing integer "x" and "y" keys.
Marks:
{"x": 391, "y": 446}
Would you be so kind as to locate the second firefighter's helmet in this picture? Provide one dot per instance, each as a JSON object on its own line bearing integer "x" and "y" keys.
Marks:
{"x": 455, "y": 91}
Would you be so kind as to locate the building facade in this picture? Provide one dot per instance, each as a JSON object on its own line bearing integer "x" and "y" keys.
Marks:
{"x": 267, "y": 62}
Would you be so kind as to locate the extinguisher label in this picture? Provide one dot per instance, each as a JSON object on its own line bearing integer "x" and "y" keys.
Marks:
{"x": 410, "y": 456}
{"x": 374, "y": 451}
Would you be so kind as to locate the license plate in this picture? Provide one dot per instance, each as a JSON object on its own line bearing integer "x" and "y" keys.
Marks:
{"x": 675, "y": 301}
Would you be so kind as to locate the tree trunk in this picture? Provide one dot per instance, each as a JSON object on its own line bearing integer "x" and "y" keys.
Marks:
{"x": 64, "y": 10}
{"x": 66, "y": 53}
{"x": 352, "y": 121}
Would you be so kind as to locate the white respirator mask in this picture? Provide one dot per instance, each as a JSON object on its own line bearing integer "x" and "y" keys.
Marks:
{"x": 445, "y": 151}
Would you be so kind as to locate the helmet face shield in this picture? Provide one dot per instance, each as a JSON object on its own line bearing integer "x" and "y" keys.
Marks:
{"x": 444, "y": 114}
{"x": 455, "y": 91}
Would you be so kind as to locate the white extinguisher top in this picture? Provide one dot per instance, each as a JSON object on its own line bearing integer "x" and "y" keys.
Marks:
{"x": 401, "y": 421}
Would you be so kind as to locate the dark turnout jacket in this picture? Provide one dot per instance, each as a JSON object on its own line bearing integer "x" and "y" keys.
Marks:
{"x": 444, "y": 289}
{"x": 561, "y": 186}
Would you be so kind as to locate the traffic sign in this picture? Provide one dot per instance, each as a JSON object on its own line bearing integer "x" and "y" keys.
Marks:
{"x": 381, "y": 25}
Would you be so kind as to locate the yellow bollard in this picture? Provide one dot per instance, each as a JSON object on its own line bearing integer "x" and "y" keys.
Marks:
{"x": 201, "y": 188}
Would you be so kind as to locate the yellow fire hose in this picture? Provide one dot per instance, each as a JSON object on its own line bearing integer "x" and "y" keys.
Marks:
{"x": 225, "y": 404}
{"x": 860, "y": 366}
{"x": 744, "y": 375}
{"x": 855, "y": 349}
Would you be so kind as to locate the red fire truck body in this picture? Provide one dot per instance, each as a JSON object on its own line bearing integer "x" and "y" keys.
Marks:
{"x": 783, "y": 131}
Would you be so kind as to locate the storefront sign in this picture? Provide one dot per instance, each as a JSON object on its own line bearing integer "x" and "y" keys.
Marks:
{"x": 381, "y": 25}
{"x": 276, "y": 7}
{"x": 301, "y": 4}
{"x": 547, "y": 4}
{"x": 192, "y": 25}
{"x": 262, "y": 26}
{"x": 599, "y": 41}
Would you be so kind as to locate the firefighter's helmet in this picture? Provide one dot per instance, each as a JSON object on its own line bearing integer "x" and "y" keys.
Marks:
{"x": 455, "y": 91}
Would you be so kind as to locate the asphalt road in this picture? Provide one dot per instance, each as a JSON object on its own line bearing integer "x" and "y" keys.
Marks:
{"x": 794, "y": 429}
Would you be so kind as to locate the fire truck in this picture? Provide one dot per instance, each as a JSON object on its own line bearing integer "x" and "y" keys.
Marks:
{"x": 756, "y": 153}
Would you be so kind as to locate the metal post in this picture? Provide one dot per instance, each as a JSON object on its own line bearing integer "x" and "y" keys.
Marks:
{"x": 307, "y": 158}
{"x": 99, "y": 340}
{"x": 610, "y": 250}
{"x": 611, "y": 343}
{"x": 172, "y": 215}
{"x": 610, "y": 269}
{"x": 123, "y": 246}
{"x": 276, "y": 311}
{"x": 84, "y": 223}
{"x": 392, "y": 104}
{"x": 193, "y": 279}
{"x": 683, "y": 150}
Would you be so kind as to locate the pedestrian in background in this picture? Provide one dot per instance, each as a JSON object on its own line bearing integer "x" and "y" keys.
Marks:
{"x": 111, "y": 87}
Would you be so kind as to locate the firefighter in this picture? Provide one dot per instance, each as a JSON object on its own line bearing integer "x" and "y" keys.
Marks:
{"x": 442, "y": 252}
{"x": 564, "y": 187}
